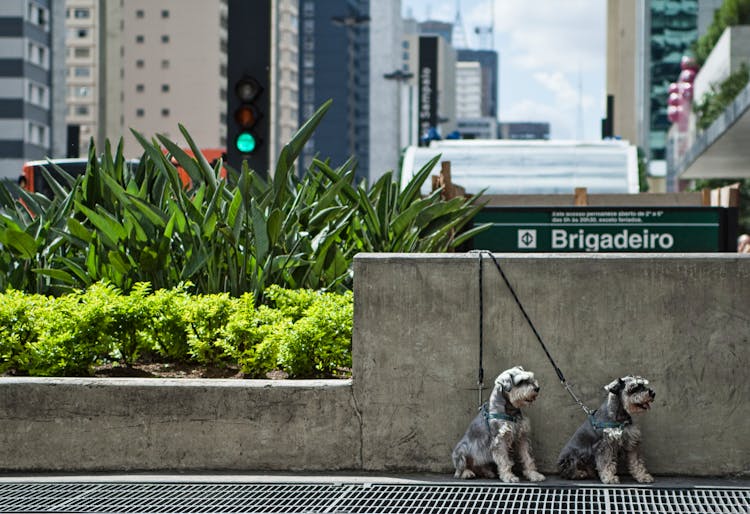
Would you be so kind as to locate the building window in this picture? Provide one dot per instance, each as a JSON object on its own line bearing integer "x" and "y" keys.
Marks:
{"x": 308, "y": 60}
{"x": 308, "y": 26}
{"x": 82, "y": 91}
{"x": 82, "y": 33}
{"x": 308, "y": 8}
{"x": 165, "y": 113}
{"x": 81, "y": 14}
{"x": 165, "y": 64}
{"x": 139, "y": 13}
{"x": 38, "y": 95}
{"x": 139, "y": 38}
{"x": 165, "y": 13}
{"x": 139, "y": 63}
{"x": 36, "y": 134}
{"x": 140, "y": 113}
{"x": 38, "y": 55}
{"x": 165, "y": 38}
{"x": 139, "y": 88}
{"x": 82, "y": 110}
{"x": 223, "y": 70}
{"x": 38, "y": 15}
{"x": 81, "y": 71}
{"x": 165, "y": 88}
{"x": 308, "y": 77}
{"x": 81, "y": 52}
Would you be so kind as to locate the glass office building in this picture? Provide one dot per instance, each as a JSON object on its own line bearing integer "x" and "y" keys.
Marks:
{"x": 673, "y": 29}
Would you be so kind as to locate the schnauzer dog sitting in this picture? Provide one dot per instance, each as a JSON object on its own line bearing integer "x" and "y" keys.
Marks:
{"x": 500, "y": 431}
{"x": 610, "y": 431}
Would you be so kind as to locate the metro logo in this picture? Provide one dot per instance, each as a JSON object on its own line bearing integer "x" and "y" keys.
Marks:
{"x": 623, "y": 240}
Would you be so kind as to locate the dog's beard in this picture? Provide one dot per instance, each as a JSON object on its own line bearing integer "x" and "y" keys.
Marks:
{"x": 522, "y": 396}
{"x": 637, "y": 403}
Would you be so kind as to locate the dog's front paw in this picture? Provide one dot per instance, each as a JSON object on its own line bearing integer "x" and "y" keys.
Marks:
{"x": 466, "y": 474}
{"x": 610, "y": 479}
{"x": 644, "y": 478}
{"x": 535, "y": 476}
{"x": 509, "y": 478}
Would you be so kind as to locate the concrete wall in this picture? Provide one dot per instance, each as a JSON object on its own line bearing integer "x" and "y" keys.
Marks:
{"x": 176, "y": 424}
{"x": 681, "y": 321}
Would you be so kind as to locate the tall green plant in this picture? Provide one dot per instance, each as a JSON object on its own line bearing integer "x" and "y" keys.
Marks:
{"x": 128, "y": 225}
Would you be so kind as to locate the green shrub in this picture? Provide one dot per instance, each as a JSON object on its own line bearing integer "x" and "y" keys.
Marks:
{"x": 319, "y": 342}
{"x": 303, "y": 332}
{"x": 730, "y": 13}
{"x": 207, "y": 316}
{"x": 715, "y": 102}
{"x": 74, "y": 335}
{"x": 169, "y": 327}
{"x": 19, "y": 328}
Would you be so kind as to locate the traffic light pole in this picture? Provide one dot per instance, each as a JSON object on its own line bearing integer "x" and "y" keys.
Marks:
{"x": 249, "y": 61}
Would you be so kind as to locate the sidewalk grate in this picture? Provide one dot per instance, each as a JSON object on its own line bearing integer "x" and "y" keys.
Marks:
{"x": 71, "y": 497}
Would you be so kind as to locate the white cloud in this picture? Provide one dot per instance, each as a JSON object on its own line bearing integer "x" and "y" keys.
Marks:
{"x": 564, "y": 92}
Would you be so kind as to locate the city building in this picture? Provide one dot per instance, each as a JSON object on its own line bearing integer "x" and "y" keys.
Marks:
{"x": 32, "y": 83}
{"x": 166, "y": 64}
{"x": 388, "y": 88}
{"x": 468, "y": 89}
{"x": 334, "y": 64}
{"x": 82, "y": 62}
{"x": 488, "y": 62}
{"x": 174, "y": 70}
{"x": 645, "y": 43}
{"x": 523, "y": 130}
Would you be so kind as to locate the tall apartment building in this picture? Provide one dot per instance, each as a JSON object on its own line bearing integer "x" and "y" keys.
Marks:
{"x": 488, "y": 62}
{"x": 334, "y": 63}
{"x": 82, "y": 63}
{"x": 175, "y": 71}
{"x": 468, "y": 89}
{"x": 32, "y": 83}
{"x": 387, "y": 88}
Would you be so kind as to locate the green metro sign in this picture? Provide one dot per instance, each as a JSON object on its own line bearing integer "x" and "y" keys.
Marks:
{"x": 607, "y": 229}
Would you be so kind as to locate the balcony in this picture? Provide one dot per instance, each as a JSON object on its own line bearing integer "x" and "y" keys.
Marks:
{"x": 721, "y": 150}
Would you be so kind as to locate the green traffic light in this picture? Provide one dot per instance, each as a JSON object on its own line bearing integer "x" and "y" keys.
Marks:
{"x": 246, "y": 142}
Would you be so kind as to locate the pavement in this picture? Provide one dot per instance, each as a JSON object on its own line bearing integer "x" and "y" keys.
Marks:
{"x": 342, "y": 478}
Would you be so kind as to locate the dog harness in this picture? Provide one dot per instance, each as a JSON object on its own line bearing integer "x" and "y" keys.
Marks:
{"x": 601, "y": 425}
{"x": 497, "y": 415}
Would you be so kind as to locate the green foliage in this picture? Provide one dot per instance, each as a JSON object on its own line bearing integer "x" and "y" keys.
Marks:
{"x": 714, "y": 103}
{"x": 731, "y": 13}
{"x": 239, "y": 235}
{"x": 303, "y": 332}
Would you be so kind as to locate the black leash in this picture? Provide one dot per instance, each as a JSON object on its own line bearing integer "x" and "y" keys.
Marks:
{"x": 558, "y": 371}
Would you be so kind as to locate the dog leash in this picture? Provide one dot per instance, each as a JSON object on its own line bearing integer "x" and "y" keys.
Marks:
{"x": 558, "y": 371}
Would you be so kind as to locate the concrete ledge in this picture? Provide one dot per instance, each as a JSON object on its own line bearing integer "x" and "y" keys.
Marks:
{"x": 71, "y": 424}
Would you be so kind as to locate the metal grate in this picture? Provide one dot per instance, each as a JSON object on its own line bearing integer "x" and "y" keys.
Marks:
{"x": 362, "y": 498}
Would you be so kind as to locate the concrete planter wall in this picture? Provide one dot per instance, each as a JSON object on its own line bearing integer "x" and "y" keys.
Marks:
{"x": 731, "y": 50}
{"x": 680, "y": 320}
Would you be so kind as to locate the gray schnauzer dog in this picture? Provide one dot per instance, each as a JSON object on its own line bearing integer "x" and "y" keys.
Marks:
{"x": 500, "y": 431}
{"x": 610, "y": 431}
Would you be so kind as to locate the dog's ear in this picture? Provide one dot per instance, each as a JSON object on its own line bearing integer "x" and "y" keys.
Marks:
{"x": 504, "y": 380}
{"x": 615, "y": 387}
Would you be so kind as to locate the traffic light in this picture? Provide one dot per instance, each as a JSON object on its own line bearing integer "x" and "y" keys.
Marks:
{"x": 247, "y": 115}
{"x": 249, "y": 85}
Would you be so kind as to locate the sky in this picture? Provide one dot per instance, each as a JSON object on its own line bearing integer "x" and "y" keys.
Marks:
{"x": 551, "y": 54}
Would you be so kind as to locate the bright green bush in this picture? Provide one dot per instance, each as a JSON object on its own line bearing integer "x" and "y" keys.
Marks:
{"x": 305, "y": 333}
{"x": 74, "y": 334}
{"x": 320, "y": 340}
